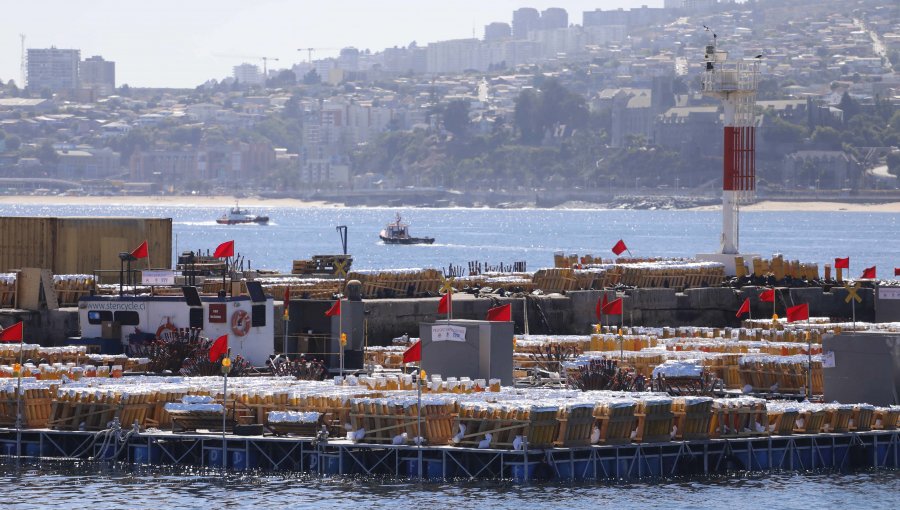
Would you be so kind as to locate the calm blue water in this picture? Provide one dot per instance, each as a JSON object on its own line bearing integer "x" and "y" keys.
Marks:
{"x": 532, "y": 235}
{"x": 70, "y": 485}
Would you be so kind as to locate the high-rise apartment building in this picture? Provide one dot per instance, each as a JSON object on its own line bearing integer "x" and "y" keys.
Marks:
{"x": 52, "y": 69}
{"x": 497, "y": 31}
{"x": 554, "y": 17}
{"x": 248, "y": 74}
{"x": 525, "y": 20}
{"x": 98, "y": 74}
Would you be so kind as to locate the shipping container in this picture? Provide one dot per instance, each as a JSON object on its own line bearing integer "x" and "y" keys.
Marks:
{"x": 82, "y": 245}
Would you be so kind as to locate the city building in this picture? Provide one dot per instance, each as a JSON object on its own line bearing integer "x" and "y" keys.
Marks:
{"x": 52, "y": 69}
{"x": 248, "y": 74}
{"x": 497, "y": 31}
{"x": 98, "y": 75}
{"x": 525, "y": 20}
{"x": 554, "y": 17}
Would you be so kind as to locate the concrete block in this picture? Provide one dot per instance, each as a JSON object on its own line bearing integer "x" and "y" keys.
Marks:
{"x": 717, "y": 298}
{"x": 653, "y": 299}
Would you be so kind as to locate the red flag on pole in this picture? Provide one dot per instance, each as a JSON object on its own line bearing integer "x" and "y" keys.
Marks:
{"x": 287, "y": 303}
{"x": 745, "y": 308}
{"x": 842, "y": 263}
{"x": 224, "y": 250}
{"x": 869, "y": 272}
{"x": 219, "y": 348}
{"x": 501, "y": 313}
{"x": 334, "y": 310}
{"x": 614, "y": 307}
{"x": 767, "y": 296}
{"x": 12, "y": 333}
{"x": 897, "y": 271}
{"x": 141, "y": 251}
{"x": 798, "y": 313}
{"x": 619, "y": 247}
{"x": 444, "y": 304}
{"x": 414, "y": 353}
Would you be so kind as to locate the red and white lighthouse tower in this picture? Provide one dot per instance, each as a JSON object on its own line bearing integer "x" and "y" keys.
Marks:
{"x": 735, "y": 84}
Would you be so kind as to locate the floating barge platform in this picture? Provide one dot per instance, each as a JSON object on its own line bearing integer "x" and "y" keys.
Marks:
{"x": 838, "y": 452}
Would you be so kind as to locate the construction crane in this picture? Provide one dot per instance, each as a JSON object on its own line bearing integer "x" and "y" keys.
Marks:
{"x": 265, "y": 67}
{"x": 311, "y": 50}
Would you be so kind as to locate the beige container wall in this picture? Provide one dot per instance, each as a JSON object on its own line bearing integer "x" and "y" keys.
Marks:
{"x": 82, "y": 245}
{"x": 26, "y": 242}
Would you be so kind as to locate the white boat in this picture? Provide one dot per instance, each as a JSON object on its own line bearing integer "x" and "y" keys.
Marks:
{"x": 238, "y": 216}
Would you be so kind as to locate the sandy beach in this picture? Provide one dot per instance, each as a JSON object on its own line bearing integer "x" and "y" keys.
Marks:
{"x": 225, "y": 202}
{"x": 771, "y": 205}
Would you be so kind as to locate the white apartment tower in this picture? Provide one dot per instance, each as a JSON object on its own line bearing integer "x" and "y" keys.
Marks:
{"x": 52, "y": 69}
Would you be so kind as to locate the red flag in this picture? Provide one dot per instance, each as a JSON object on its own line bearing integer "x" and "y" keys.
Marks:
{"x": 287, "y": 303}
{"x": 219, "y": 348}
{"x": 444, "y": 304}
{"x": 12, "y": 333}
{"x": 897, "y": 271}
{"x": 869, "y": 272}
{"x": 224, "y": 250}
{"x": 502, "y": 313}
{"x": 745, "y": 308}
{"x": 619, "y": 247}
{"x": 414, "y": 353}
{"x": 334, "y": 310}
{"x": 842, "y": 263}
{"x": 614, "y": 307}
{"x": 141, "y": 251}
{"x": 798, "y": 313}
{"x": 767, "y": 296}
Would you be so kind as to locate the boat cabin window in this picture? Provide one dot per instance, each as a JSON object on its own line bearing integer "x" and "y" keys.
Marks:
{"x": 128, "y": 318}
{"x": 99, "y": 316}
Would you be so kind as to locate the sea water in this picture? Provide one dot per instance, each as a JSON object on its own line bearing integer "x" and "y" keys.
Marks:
{"x": 66, "y": 484}
{"x": 494, "y": 236}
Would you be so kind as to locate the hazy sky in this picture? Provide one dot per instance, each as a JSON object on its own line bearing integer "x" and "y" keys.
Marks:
{"x": 167, "y": 43}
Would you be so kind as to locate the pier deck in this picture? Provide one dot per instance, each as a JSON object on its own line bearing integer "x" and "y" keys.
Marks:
{"x": 834, "y": 452}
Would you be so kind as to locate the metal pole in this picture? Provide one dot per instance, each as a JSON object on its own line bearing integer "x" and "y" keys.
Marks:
{"x": 224, "y": 416}
{"x": 341, "y": 341}
{"x": 19, "y": 399}
{"x": 808, "y": 361}
{"x": 853, "y": 301}
{"x": 419, "y": 423}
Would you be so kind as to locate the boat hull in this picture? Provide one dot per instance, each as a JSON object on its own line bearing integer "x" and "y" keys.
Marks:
{"x": 259, "y": 220}
{"x": 407, "y": 240}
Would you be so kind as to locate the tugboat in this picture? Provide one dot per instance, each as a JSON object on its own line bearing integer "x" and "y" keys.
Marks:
{"x": 398, "y": 233}
{"x": 237, "y": 216}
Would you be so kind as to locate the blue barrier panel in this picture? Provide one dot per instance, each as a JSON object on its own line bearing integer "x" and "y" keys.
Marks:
{"x": 431, "y": 469}
{"x": 145, "y": 454}
{"x": 31, "y": 449}
{"x": 242, "y": 459}
{"x": 214, "y": 458}
{"x": 577, "y": 470}
{"x": 522, "y": 472}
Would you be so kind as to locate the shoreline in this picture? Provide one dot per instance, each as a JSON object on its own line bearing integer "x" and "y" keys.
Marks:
{"x": 226, "y": 202}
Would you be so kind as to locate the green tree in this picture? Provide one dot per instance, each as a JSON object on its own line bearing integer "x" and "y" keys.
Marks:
{"x": 893, "y": 163}
{"x": 826, "y": 137}
{"x": 849, "y": 106}
{"x": 46, "y": 154}
{"x": 13, "y": 142}
{"x": 456, "y": 117}
{"x": 312, "y": 78}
